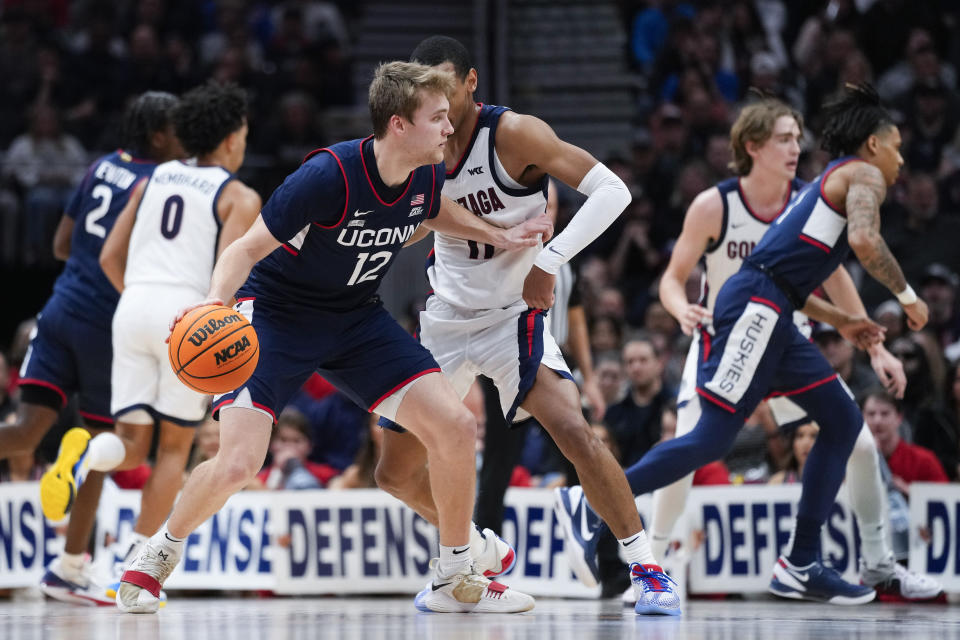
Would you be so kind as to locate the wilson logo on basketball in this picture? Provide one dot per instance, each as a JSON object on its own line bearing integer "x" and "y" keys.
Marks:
{"x": 232, "y": 351}
{"x": 200, "y": 335}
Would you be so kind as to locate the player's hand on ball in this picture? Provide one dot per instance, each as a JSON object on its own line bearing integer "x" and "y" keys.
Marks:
{"x": 177, "y": 318}
{"x": 538, "y": 288}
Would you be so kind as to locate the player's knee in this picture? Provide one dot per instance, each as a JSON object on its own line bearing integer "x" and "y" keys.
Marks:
{"x": 575, "y": 438}
{"x": 389, "y": 478}
{"x": 453, "y": 432}
{"x": 236, "y": 473}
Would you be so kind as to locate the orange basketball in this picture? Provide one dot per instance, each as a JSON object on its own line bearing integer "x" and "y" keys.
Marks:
{"x": 213, "y": 349}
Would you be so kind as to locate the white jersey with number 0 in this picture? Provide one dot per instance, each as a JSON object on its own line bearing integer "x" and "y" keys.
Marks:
{"x": 174, "y": 238}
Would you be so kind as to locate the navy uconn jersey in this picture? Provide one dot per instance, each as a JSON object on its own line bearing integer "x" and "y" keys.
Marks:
{"x": 740, "y": 232}
{"x": 94, "y": 208}
{"x": 339, "y": 233}
{"x": 808, "y": 242}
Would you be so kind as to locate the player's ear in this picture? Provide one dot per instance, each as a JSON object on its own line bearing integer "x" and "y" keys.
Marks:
{"x": 471, "y": 80}
{"x": 872, "y": 144}
{"x": 397, "y": 123}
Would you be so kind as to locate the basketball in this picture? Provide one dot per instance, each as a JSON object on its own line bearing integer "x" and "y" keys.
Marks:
{"x": 213, "y": 349}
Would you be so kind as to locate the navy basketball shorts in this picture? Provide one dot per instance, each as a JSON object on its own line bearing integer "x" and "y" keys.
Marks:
{"x": 755, "y": 350}
{"x": 71, "y": 354}
{"x": 364, "y": 353}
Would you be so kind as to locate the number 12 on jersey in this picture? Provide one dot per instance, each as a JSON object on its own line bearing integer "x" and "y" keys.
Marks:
{"x": 368, "y": 266}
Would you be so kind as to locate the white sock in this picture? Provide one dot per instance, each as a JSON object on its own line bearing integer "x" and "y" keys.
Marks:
{"x": 165, "y": 538}
{"x": 71, "y": 565}
{"x": 453, "y": 560}
{"x": 868, "y": 499}
{"x": 104, "y": 453}
{"x": 637, "y": 549}
{"x": 668, "y": 505}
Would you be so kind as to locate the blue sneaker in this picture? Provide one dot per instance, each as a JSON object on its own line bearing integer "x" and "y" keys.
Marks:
{"x": 816, "y": 582}
{"x": 654, "y": 591}
{"x": 581, "y": 529}
{"x": 79, "y": 588}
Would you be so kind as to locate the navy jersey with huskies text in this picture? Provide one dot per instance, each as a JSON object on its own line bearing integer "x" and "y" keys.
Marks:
{"x": 94, "y": 208}
{"x": 808, "y": 241}
{"x": 341, "y": 228}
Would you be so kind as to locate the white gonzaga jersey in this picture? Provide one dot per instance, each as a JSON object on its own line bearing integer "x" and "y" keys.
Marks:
{"x": 464, "y": 273}
{"x": 740, "y": 232}
{"x": 174, "y": 238}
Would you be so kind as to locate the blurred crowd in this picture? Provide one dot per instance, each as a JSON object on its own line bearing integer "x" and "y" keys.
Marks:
{"x": 69, "y": 67}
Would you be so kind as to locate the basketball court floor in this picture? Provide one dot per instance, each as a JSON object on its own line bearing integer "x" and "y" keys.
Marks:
{"x": 395, "y": 619}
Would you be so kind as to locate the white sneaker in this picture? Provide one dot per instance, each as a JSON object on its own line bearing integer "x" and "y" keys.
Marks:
{"x": 469, "y": 592}
{"x": 654, "y": 591}
{"x": 893, "y": 582}
{"x": 492, "y": 554}
{"x": 139, "y": 590}
{"x": 76, "y": 588}
{"x": 129, "y": 553}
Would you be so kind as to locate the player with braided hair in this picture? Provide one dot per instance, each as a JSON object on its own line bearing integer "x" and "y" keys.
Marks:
{"x": 70, "y": 350}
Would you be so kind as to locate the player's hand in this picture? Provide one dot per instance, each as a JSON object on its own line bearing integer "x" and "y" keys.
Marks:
{"x": 527, "y": 234}
{"x": 591, "y": 391}
{"x": 862, "y": 332}
{"x": 538, "y": 288}
{"x": 916, "y": 314}
{"x": 184, "y": 311}
{"x": 692, "y": 316}
{"x": 889, "y": 369}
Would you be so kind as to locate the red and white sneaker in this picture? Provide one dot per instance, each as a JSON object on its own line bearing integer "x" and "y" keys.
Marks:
{"x": 469, "y": 592}
{"x": 139, "y": 589}
{"x": 492, "y": 554}
{"x": 893, "y": 582}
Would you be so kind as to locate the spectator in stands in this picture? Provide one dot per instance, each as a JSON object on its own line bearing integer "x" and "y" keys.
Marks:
{"x": 938, "y": 287}
{"x": 889, "y": 314}
{"x": 841, "y": 356}
{"x": 932, "y": 120}
{"x": 606, "y": 334}
{"x": 45, "y": 164}
{"x": 801, "y": 441}
{"x": 923, "y": 235}
{"x": 924, "y": 377}
{"x": 610, "y": 377}
{"x": 359, "y": 475}
{"x": 920, "y": 64}
{"x": 289, "y": 468}
{"x": 908, "y": 462}
{"x": 635, "y": 420}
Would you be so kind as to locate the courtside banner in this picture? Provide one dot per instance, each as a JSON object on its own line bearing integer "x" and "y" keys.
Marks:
{"x": 364, "y": 541}
{"x": 935, "y": 532}
{"x": 743, "y": 530}
{"x": 28, "y": 542}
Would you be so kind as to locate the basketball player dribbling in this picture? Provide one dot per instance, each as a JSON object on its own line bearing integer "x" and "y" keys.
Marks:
{"x": 486, "y": 314}
{"x": 722, "y": 225}
{"x": 160, "y": 255}
{"x": 70, "y": 350}
{"x": 306, "y": 276}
